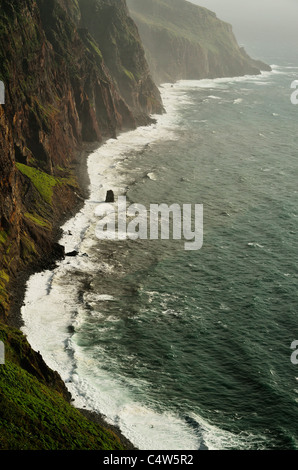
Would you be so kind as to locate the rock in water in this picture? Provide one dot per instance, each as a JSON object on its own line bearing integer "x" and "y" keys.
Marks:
{"x": 58, "y": 252}
{"x": 72, "y": 253}
{"x": 110, "y": 196}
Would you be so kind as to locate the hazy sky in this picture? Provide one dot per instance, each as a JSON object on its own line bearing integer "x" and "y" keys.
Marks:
{"x": 258, "y": 20}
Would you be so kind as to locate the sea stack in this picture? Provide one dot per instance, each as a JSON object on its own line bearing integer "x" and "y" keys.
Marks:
{"x": 110, "y": 196}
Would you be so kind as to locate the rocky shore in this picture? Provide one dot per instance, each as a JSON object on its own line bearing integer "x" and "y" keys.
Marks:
{"x": 18, "y": 288}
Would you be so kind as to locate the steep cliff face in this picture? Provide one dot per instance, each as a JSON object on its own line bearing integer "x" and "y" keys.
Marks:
{"x": 123, "y": 52}
{"x": 59, "y": 93}
{"x": 184, "y": 41}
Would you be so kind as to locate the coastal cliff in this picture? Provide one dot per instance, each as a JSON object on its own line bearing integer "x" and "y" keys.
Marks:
{"x": 185, "y": 41}
{"x": 59, "y": 94}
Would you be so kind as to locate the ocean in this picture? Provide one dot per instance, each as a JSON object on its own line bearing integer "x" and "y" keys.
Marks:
{"x": 187, "y": 350}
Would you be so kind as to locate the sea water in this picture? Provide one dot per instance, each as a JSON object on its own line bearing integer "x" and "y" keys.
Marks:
{"x": 187, "y": 349}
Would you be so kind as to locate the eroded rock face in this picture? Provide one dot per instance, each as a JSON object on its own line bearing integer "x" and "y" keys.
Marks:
{"x": 111, "y": 26}
{"x": 185, "y": 41}
{"x": 59, "y": 94}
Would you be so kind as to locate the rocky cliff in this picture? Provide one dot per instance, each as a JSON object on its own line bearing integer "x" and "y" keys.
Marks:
{"x": 59, "y": 93}
{"x": 111, "y": 26}
{"x": 185, "y": 41}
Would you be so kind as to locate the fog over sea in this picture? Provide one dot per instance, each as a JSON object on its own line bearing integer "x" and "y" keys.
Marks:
{"x": 185, "y": 349}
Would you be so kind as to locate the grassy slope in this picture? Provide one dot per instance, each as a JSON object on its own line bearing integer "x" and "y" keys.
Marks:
{"x": 35, "y": 416}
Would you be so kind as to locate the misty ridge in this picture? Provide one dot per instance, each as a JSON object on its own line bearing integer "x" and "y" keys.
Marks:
{"x": 185, "y": 41}
{"x": 258, "y": 21}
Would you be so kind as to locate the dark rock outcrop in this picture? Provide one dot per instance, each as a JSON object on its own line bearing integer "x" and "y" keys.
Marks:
{"x": 72, "y": 254}
{"x": 110, "y": 196}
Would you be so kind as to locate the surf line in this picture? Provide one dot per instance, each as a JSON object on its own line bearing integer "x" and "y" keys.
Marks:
{"x": 136, "y": 222}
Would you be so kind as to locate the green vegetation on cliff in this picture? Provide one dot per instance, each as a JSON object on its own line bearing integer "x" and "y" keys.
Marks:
{"x": 185, "y": 41}
{"x": 35, "y": 413}
{"x": 43, "y": 182}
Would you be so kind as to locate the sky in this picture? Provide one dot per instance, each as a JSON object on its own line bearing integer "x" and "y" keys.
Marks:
{"x": 268, "y": 21}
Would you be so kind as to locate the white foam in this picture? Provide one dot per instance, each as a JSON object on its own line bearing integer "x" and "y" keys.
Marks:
{"x": 255, "y": 245}
{"x": 286, "y": 67}
{"x": 215, "y": 83}
{"x": 219, "y": 439}
{"x": 47, "y": 332}
{"x": 91, "y": 297}
{"x": 146, "y": 428}
{"x": 152, "y": 176}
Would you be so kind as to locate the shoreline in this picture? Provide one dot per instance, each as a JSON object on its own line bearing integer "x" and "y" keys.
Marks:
{"x": 18, "y": 286}
{"x": 100, "y": 419}
{"x": 163, "y": 127}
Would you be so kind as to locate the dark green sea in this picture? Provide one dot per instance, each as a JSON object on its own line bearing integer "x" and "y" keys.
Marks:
{"x": 188, "y": 349}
